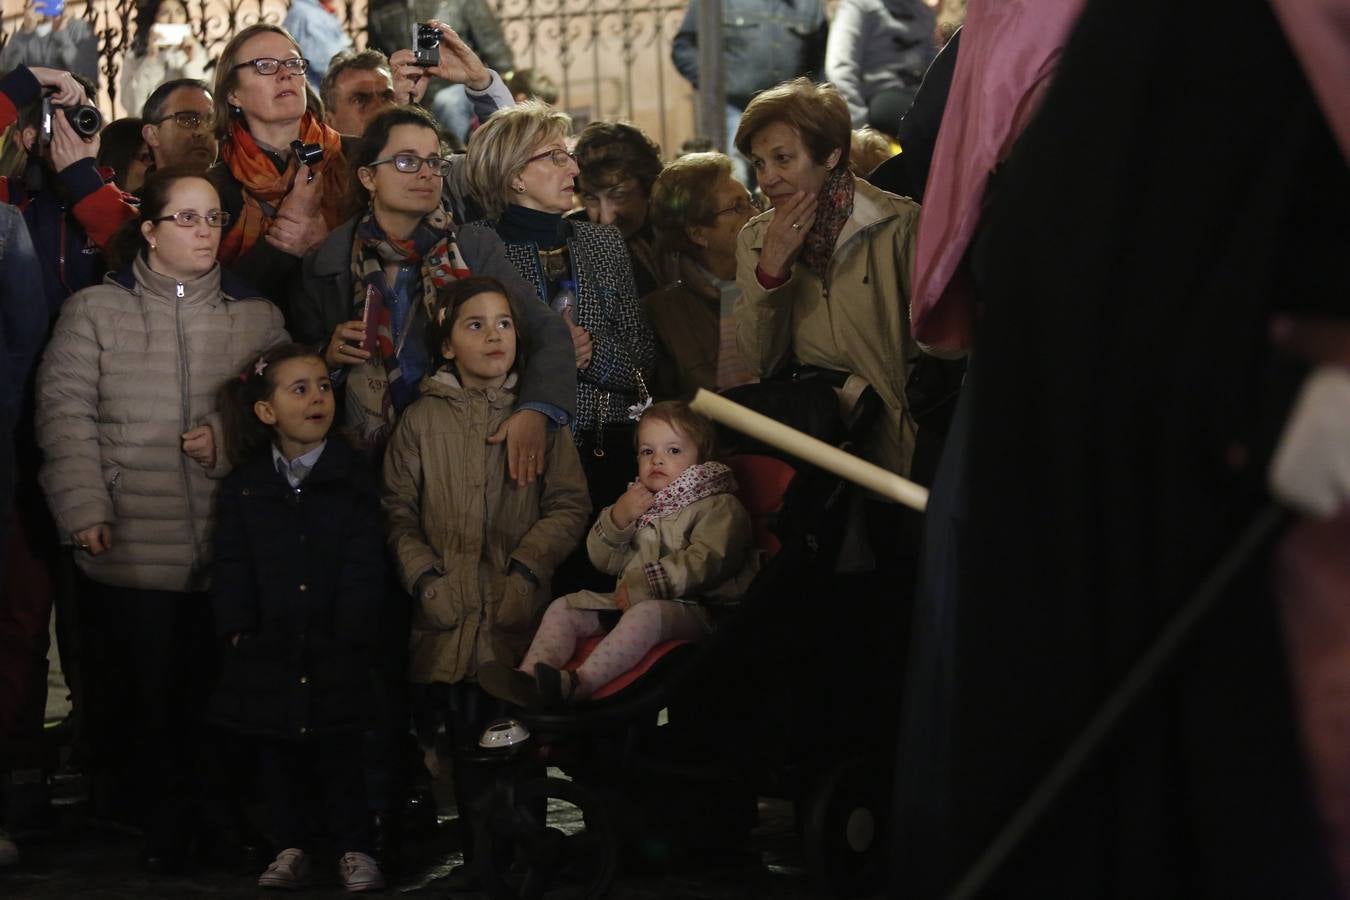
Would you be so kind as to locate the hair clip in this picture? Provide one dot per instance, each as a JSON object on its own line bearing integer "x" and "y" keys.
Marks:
{"x": 260, "y": 365}
{"x": 637, "y": 409}
{"x": 440, "y": 316}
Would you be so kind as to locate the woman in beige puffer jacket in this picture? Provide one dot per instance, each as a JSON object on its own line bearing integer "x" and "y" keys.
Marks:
{"x": 126, "y": 420}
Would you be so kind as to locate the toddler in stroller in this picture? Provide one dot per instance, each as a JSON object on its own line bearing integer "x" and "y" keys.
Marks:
{"x": 681, "y": 545}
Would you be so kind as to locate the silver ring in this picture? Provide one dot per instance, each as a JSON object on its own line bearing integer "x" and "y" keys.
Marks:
{"x": 796, "y": 226}
{"x": 84, "y": 546}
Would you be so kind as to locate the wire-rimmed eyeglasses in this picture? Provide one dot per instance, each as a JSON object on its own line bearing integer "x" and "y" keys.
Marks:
{"x": 188, "y": 218}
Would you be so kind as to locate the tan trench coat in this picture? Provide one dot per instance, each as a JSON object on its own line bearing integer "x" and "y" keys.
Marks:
{"x": 857, "y": 320}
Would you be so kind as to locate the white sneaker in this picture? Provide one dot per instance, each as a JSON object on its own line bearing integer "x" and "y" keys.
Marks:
{"x": 360, "y": 873}
{"x": 9, "y": 853}
{"x": 288, "y": 872}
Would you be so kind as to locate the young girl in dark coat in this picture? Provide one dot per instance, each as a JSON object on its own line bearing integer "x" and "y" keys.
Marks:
{"x": 299, "y": 573}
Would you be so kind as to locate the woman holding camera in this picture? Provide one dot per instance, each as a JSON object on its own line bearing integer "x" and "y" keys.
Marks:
{"x": 282, "y": 173}
{"x": 126, "y": 420}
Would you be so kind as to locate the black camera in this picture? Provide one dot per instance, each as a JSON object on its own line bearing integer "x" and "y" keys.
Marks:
{"x": 86, "y": 120}
{"x": 308, "y": 155}
{"x": 428, "y": 50}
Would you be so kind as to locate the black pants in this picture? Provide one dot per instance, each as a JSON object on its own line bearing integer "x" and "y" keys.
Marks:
{"x": 300, "y": 778}
{"x": 150, "y": 662}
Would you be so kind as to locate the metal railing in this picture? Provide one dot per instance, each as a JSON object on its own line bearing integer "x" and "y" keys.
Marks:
{"x": 609, "y": 58}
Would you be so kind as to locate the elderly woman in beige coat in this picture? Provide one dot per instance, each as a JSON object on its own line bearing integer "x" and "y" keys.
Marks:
{"x": 825, "y": 274}
{"x": 127, "y": 421}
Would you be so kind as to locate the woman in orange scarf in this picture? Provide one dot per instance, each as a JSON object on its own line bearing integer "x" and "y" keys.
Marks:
{"x": 280, "y": 207}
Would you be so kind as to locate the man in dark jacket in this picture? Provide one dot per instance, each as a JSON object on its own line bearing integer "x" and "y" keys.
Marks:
{"x": 71, "y": 208}
{"x": 764, "y": 42}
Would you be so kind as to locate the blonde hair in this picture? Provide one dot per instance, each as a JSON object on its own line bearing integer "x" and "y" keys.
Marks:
{"x": 868, "y": 149}
{"x": 502, "y": 146}
{"x": 817, "y": 112}
{"x": 227, "y": 76}
{"x": 685, "y": 194}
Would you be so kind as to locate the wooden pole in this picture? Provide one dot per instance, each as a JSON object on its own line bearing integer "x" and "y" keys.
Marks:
{"x": 811, "y": 450}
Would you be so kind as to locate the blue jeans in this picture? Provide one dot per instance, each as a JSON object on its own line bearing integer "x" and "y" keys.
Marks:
{"x": 453, "y": 110}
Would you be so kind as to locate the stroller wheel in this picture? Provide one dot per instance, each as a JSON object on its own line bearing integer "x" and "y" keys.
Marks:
{"x": 844, "y": 819}
{"x": 547, "y": 839}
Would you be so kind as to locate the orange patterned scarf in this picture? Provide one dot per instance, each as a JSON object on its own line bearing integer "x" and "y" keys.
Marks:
{"x": 264, "y": 188}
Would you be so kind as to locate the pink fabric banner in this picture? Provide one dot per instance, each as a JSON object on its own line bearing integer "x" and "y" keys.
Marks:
{"x": 1008, "y": 52}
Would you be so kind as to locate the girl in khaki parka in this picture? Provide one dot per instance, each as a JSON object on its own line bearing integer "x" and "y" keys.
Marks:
{"x": 474, "y": 549}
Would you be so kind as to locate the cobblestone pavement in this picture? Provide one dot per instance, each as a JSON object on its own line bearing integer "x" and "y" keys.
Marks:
{"x": 90, "y": 861}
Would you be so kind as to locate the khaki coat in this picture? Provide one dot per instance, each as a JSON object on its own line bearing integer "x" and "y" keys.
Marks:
{"x": 856, "y": 320}
{"x": 705, "y": 553}
{"x": 453, "y": 513}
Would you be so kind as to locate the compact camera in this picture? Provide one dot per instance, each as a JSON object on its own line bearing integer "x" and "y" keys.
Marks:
{"x": 428, "y": 50}
{"x": 308, "y": 154}
{"x": 86, "y": 120}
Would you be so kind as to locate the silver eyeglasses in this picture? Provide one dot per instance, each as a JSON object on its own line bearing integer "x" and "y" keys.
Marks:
{"x": 410, "y": 163}
{"x": 268, "y": 65}
{"x": 559, "y": 158}
{"x": 188, "y": 218}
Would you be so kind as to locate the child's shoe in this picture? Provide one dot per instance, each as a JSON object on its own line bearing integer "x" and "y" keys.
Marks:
{"x": 511, "y": 685}
{"x": 557, "y": 687}
{"x": 288, "y": 872}
{"x": 360, "y": 873}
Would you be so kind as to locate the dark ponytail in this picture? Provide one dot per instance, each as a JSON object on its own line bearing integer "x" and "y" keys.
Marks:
{"x": 129, "y": 242}
{"x": 245, "y": 433}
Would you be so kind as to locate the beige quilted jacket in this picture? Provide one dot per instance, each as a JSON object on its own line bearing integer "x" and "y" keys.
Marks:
{"x": 133, "y": 363}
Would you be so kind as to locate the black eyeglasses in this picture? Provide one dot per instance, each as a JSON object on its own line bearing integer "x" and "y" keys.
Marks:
{"x": 189, "y": 120}
{"x": 410, "y": 163}
{"x": 742, "y": 207}
{"x": 188, "y": 218}
{"x": 559, "y": 158}
{"x": 268, "y": 65}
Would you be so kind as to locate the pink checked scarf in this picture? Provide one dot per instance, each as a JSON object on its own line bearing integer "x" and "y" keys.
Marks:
{"x": 693, "y": 484}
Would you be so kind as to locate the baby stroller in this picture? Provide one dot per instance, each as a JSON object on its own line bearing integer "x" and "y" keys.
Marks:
{"x": 672, "y": 756}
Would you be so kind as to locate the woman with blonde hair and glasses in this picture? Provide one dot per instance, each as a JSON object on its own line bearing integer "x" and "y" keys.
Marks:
{"x": 520, "y": 171}
{"x": 697, "y": 210}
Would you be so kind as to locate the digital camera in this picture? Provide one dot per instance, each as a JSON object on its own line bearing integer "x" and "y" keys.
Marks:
{"x": 86, "y": 120}
{"x": 428, "y": 50}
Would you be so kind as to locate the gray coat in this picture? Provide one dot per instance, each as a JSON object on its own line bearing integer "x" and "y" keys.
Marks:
{"x": 878, "y": 45}
{"x": 130, "y": 367}
{"x": 322, "y": 300}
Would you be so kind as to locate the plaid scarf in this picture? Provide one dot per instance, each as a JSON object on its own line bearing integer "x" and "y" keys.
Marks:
{"x": 835, "y": 206}
{"x": 264, "y": 188}
{"x": 432, "y": 245}
{"x": 694, "y": 483}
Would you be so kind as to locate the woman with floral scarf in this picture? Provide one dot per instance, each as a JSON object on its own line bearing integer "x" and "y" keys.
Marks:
{"x": 826, "y": 272}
